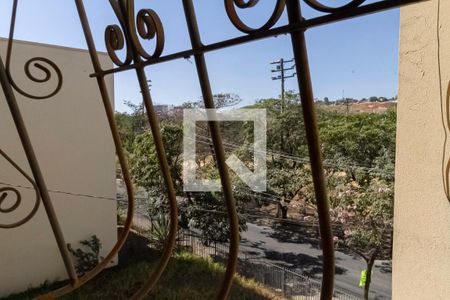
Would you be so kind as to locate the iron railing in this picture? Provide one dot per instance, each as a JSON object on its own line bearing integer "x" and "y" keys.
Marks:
{"x": 147, "y": 25}
{"x": 289, "y": 284}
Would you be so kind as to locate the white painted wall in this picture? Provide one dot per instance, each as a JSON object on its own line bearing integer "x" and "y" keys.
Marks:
{"x": 421, "y": 260}
{"x": 74, "y": 147}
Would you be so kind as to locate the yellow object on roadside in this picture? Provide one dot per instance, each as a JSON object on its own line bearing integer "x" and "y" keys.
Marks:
{"x": 362, "y": 279}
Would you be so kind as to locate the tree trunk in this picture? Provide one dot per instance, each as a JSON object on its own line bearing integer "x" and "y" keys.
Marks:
{"x": 282, "y": 210}
{"x": 370, "y": 264}
{"x": 189, "y": 197}
{"x": 279, "y": 207}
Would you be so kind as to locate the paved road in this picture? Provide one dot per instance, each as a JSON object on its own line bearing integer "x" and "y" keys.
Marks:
{"x": 288, "y": 247}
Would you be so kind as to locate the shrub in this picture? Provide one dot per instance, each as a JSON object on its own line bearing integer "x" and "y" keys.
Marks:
{"x": 88, "y": 256}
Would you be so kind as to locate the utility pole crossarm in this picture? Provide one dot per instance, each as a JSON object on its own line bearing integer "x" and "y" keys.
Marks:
{"x": 281, "y": 69}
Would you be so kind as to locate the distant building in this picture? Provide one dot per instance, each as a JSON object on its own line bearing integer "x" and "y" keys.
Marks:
{"x": 162, "y": 109}
{"x": 176, "y": 111}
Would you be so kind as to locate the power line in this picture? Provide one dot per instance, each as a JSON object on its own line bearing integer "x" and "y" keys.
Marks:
{"x": 305, "y": 160}
{"x": 263, "y": 196}
{"x": 291, "y": 157}
{"x": 302, "y": 160}
{"x": 286, "y": 156}
{"x": 281, "y": 220}
{"x": 59, "y": 192}
{"x": 119, "y": 199}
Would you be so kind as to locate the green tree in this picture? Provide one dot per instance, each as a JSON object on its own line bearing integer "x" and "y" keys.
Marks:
{"x": 204, "y": 211}
{"x": 282, "y": 136}
{"x": 221, "y": 100}
{"x": 286, "y": 183}
{"x": 144, "y": 163}
{"x": 359, "y": 151}
{"x": 131, "y": 124}
{"x": 359, "y": 144}
{"x": 207, "y": 214}
{"x": 363, "y": 218}
{"x": 286, "y": 148}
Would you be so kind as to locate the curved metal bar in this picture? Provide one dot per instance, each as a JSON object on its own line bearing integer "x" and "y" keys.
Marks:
{"x": 240, "y": 25}
{"x": 272, "y": 32}
{"x": 130, "y": 212}
{"x": 38, "y": 62}
{"x": 7, "y": 85}
{"x": 115, "y": 41}
{"x": 147, "y": 25}
{"x": 122, "y": 161}
{"x": 36, "y": 170}
{"x": 116, "y": 36}
{"x": 243, "y": 4}
{"x": 159, "y": 145}
{"x": 317, "y": 5}
{"x": 164, "y": 165}
{"x": 4, "y": 194}
{"x": 315, "y": 154}
{"x": 218, "y": 150}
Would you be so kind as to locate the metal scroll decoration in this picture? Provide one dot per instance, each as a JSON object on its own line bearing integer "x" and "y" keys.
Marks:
{"x": 38, "y": 182}
{"x": 145, "y": 25}
{"x": 230, "y": 7}
{"x": 38, "y": 62}
{"x": 7, "y": 191}
{"x": 148, "y": 26}
{"x": 317, "y": 5}
{"x": 11, "y": 192}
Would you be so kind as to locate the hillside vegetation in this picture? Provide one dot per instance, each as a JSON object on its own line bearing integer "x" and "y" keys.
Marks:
{"x": 186, "y": 277}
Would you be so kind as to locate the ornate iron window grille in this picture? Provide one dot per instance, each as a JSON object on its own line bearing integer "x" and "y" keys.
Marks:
{"x": 147, "y": 25}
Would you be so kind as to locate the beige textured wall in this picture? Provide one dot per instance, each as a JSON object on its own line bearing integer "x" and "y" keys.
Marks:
{"x": 421, "y": 262}
{"x": 75, "y": 150}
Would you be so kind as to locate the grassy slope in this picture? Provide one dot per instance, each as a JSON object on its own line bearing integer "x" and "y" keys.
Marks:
{"x": 186, "y": 277}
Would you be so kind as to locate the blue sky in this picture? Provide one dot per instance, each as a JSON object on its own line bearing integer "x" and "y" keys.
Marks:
{"x": 356, "y": 56}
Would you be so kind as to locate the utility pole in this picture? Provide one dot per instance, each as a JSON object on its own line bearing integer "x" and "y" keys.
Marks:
{"x": 346, "y": 101}
{"x": 279, "y": 68}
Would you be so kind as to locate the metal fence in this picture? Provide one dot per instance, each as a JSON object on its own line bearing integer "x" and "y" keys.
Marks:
{"x": 127, "y": 34}
{"x": 285, "y": 282}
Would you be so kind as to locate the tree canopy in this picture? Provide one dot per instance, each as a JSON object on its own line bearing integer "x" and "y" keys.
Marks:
{"x": 359, "y": 158}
